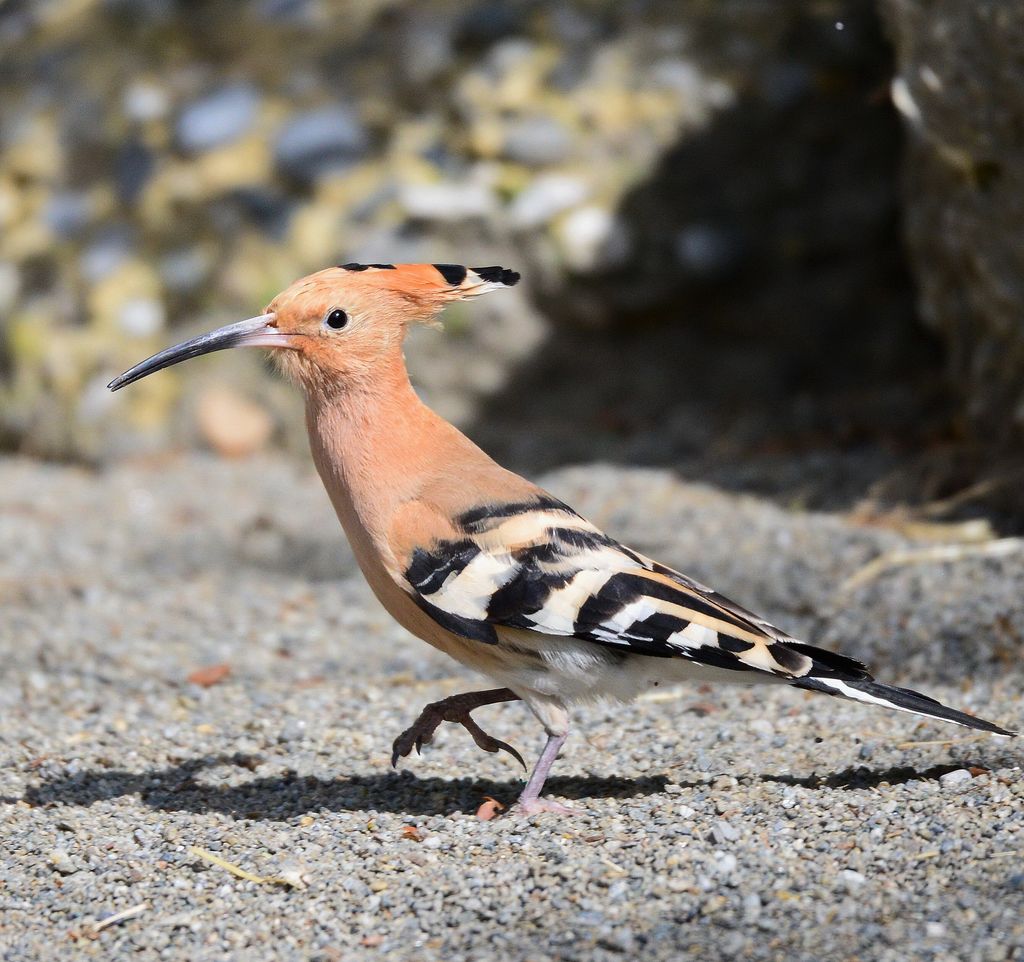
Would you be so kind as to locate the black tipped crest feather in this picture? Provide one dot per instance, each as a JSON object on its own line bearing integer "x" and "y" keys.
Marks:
{"x": 454, "y": 274}
{"x": 497, "y": 275}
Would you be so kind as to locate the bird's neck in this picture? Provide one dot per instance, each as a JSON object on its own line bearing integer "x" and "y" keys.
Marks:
{"x": 385, "y": 458}
{"x": 374, "y": 442}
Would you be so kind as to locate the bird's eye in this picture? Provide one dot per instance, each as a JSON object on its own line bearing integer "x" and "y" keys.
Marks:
{"x": 336, "y": 319}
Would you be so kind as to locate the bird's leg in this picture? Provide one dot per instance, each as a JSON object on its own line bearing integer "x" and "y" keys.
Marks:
{"x": 530, "y": 802}
{"x": 455, "y": 709}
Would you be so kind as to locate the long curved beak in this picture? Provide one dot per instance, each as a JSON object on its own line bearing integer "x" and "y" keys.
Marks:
{"x": 254, "y": 332}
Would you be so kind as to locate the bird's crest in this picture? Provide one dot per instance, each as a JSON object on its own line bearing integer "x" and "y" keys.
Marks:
{"x": 431, "y": 286}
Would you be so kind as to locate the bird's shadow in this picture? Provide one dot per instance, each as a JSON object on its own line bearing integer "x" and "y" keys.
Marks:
{"x": 287, "y": 794}
{"x": 861, "y": 776}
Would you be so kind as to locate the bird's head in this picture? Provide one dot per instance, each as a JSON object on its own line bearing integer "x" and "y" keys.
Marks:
{"x": 336, "y": 326}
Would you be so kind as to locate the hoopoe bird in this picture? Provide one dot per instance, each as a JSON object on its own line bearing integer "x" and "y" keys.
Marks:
{"x": 481, "y": 563}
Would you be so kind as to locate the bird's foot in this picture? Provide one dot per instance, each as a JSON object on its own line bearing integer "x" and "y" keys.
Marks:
{"x": 534, "y": 806}
{"x": 454, "y": 709}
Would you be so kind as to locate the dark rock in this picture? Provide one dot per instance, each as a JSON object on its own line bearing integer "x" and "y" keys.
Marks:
{"x": 961, "y": 74}
{"x": 267, "y": 209}
{"x": 325, "y": 139}
{"x": 486, "y": 23}
{"x": 133, "y": 165}
{"x": 708, "y": 250}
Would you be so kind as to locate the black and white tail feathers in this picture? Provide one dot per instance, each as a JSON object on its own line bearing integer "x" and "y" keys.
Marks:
{"x": 838, "y": 675}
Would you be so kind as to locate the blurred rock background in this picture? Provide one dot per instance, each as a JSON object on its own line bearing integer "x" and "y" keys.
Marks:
{"x": 706, "y": 199}
{"x": 960, "y": 68}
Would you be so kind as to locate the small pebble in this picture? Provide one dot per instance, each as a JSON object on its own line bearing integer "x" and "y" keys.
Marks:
{"x": 448, "y": 201}
{"x": 956, "y": 779}
{"x": 724, "y": 831}
{"x": 322, "y": 140}
{"x": 726, "y": 863}
{"x": 217, "y": 119}
{"x": 852, "y": 879}
{"x": 61, "y": 861}
{"x": 546, "y": 197}
{"x": 537, "y": 141}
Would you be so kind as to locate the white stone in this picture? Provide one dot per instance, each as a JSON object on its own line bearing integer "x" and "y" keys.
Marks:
{"x": 592, "y": 236}
{"x": 62, "y": 862}
{"x": 762, "y": 726}
{"x": 852, "y": 879}
{"x": 95, "y": 400}
{"x": 930, "y": 79}
{"x": 725, "y": 863}
{"x": 218, "y": 118}
{"x": 725, "y": 831}
{"x": 141, "y": 317}
{"x": 448, "y": 201}
{"x": 145, "y": 101}
{"x": 545, "y": 198}
{"x": 903, "y": 101}
{"x": 955, "y": 779}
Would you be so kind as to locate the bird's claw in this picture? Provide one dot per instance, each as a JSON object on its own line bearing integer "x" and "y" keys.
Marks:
{"x": 421, "y": 733}
{"x": 488, "y": 742}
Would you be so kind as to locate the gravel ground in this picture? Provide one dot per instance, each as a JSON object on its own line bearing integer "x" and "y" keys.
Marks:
{"x": 713, "y": 823}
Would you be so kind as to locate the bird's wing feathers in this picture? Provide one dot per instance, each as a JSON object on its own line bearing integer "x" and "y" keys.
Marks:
{"x": 537, "y": 565}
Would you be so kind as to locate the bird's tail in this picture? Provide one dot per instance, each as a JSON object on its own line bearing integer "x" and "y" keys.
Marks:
{"x": 888, "y": 696}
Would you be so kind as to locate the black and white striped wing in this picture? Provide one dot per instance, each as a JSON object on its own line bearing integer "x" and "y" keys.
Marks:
{"x": 538, "y": 566}
{"x": 541, "y": 567}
